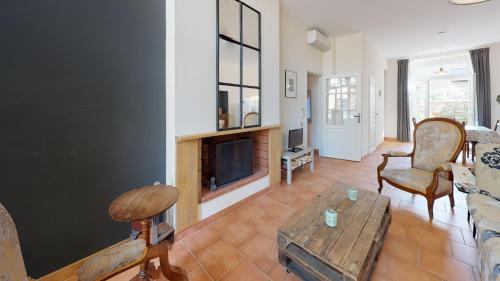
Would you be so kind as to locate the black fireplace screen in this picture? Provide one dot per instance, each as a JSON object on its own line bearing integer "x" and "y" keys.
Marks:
{"x": 233, "y": 161}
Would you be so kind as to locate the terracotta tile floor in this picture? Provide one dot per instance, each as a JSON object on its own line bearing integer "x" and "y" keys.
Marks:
{"x": 242, "y": 246}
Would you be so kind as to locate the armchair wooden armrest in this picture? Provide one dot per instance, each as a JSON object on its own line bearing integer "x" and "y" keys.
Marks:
{"x": 386, "y": 156}
{"x": 398, "y": 154}
{"x": 445, "y": 167}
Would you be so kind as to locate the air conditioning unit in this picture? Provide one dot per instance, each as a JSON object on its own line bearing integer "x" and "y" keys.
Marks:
{"x": 318, "y": 40}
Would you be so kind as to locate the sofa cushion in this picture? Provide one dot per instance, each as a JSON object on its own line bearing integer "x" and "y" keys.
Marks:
{"x": 481, "y": 206}
{"x": 415, "y": 179}
{"x": 490, "y": 256}
{"x": 474, "y": 200}
{"x": 112, "y": 259}
{"x": 489, "y": 249}
{"x": 488, "y": 168}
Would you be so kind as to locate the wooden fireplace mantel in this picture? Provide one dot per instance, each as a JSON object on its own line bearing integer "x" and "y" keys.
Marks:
{"x": 225, "y": 132}
{"x": 188, "y": 169}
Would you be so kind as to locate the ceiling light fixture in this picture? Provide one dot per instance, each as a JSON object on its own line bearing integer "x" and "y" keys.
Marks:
{"x": 441, "y": 70}
{"x": 466, "y": 2}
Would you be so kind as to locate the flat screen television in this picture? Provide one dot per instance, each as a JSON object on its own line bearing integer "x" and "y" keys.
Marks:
{"x": 295, "y": 138}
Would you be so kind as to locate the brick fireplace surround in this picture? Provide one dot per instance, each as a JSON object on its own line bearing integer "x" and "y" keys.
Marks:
{"x": 190, "y": 150}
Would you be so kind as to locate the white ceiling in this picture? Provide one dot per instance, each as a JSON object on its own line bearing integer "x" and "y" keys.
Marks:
{"x": 403, "y": 28}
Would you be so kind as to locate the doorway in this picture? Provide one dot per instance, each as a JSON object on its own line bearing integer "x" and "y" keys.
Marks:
{"x": 373, "y": 115}
{"x": 341, "y": 117}
{"x": 312, "y": 112}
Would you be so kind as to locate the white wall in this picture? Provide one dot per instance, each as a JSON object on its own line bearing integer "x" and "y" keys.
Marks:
{"x": 391, "y": 90}
{"x": 296, "y": 55}
{"x": 314, "y": 129}
{"x": 374, "y": 64}
{"x": 195, "y": 64}
{"x": 391, "y": 101}
{"x": 329, "y": 59}
{"x": 191, "y": 73}
{"x": 349, "y": 54}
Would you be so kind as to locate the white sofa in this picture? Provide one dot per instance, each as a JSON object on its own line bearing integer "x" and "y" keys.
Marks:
{"x": 484, "y": 208}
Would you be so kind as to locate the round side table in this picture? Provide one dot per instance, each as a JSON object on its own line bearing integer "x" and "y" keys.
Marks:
{"x": 138, "y": 207}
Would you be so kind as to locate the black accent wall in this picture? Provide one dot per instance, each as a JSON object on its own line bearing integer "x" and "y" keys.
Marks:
{"x": 82, "y": 119}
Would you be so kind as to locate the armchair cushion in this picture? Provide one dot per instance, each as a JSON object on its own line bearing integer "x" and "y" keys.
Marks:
{"x": 415, "y": 179}
{"x": 11, "y": 258}
{"x": 435, "y": 143}
{"x": 112, "y": 259}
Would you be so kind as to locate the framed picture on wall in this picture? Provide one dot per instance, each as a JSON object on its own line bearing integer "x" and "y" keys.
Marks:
{"x": 290, "y": 84}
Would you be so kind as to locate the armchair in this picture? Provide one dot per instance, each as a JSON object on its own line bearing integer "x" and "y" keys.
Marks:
{"x": 12, "y": 263}
{"x": 437, "y": 143}
{"x": 138, "y": 206}
{"x": 251, "y": 119}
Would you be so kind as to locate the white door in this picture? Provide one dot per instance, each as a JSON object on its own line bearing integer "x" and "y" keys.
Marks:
{"x": 341, "y": 117}
{"x": 373, "y": 115}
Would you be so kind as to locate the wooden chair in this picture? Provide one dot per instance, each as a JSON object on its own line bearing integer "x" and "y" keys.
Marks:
{"x": 251, "y": 119}
{"x": 437, "y": 142}
{"x": 137, "y": 206}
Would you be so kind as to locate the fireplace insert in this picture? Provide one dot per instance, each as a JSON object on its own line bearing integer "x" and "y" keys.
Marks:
{"x": 231, "y": 161}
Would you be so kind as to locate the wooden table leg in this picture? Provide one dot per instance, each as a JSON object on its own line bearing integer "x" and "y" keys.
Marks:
{"x": 171, "y": 272}
{"x": 144, "y": 227}
{"x": 464, "y": 151}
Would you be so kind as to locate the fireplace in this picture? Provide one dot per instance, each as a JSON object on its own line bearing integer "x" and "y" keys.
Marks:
{"x": 228, "y": 161}
{"x": 192, "y": 166}
{"x": 231, "y": 161}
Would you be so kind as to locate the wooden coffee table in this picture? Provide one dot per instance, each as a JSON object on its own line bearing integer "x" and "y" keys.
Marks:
{"x": 348, "y": 251}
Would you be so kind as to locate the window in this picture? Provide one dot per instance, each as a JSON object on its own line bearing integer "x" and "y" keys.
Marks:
{"x": 238, "y": 65}
{"x": 450, "y": 95}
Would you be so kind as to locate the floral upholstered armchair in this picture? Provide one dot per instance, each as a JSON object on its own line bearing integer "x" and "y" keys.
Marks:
{"x": 437, "y": 144}
{"x": 11, "y": 258}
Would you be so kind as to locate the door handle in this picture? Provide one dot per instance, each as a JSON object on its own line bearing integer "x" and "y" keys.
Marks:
{"x": 358, "y": 116}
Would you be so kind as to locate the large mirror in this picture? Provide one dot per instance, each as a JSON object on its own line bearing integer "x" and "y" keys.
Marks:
{"x": 238, "y": 65}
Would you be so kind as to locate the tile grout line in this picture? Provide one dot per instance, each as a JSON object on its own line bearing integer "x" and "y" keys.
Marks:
{"x": 197, "y": 260}
{"x": 243, "y": 256}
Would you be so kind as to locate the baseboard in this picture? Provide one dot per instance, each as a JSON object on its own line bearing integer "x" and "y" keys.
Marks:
{"x": 201, "y": 224}
{"x": 69, "y": 272}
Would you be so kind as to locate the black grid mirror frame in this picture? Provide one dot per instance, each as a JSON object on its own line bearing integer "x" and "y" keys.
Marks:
{"x": 241, "y": 86}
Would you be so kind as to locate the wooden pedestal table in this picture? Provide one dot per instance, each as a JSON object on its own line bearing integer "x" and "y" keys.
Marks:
{"x": 138, "y": 206}
{"x": 314, "y": 251}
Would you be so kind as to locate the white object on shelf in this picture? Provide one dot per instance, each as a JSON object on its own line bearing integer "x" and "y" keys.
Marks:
{"x": 293, "y": 160}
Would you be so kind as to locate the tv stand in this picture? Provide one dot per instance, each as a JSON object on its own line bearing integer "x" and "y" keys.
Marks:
{"x": 295, "y": 149}
{"x": 292, "y": 160}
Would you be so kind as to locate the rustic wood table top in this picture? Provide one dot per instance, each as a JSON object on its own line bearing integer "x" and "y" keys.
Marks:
{"x": 143, "y": 203}
{"x": 346, "y": 246}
